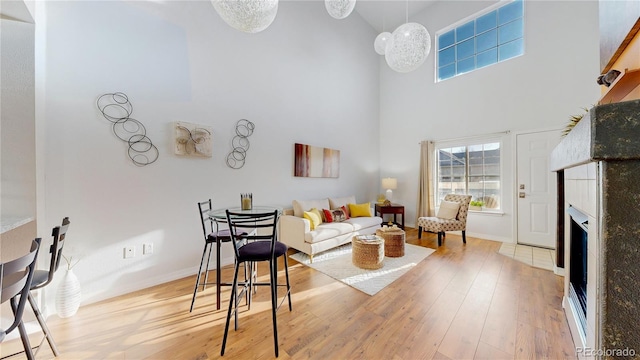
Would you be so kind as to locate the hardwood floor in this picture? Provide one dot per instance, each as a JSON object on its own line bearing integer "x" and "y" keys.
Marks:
{"x": 462, "y": 302}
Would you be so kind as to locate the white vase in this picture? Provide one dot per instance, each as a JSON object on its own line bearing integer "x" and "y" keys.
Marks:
{"x": 68, "y": 296}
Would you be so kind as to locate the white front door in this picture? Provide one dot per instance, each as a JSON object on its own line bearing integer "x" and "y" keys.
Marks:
{"x": 536, "y": 191}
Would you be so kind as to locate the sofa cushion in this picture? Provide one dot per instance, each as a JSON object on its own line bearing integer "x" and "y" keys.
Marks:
{"x": 327, "y": 231}
{"x": 300, "y": 206}
{"x": 336, "y": 203}
{"x": 364, "y": 222}
{"x": 360, "y": 210}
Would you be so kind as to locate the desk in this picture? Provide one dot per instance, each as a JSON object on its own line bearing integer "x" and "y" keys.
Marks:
{"x": 394, "y": 209}
{"x": 220, "y": 217}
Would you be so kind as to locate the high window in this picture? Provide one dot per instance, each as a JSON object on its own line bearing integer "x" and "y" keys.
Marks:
{"x": 492, "y": 36}
{"x": 470, "y": 169}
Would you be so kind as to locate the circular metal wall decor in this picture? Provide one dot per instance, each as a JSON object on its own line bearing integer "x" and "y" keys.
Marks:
{"x": 117, "y": 109}
{"x": 240, "y": 144}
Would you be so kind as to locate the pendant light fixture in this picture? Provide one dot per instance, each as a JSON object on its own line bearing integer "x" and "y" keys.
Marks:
{"x": 408, "y": 46}
{"x": 339, "y": 9}
{"x": 380, "y": 45}
{"x": 250, "y": 16}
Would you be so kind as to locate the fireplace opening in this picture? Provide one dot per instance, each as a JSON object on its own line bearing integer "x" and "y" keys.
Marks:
{"x": 578, "y": 264}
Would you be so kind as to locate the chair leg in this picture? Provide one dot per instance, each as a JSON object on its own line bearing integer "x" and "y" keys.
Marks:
{"x": 43, "y": 325}
{"x": 195, "y": 288}
{"x": 24, "y": 336}
{"x": 206, "y": 269}
{"x": 218, "y": 275}
{"x": 439, "y": 238}
{"x": 274, "y": 286}
{"x": 464, "y": 236}
{"x": 250, "y": 289}
{"x": 232, "y": 300}
{"x": 286, "y": 273}
{"x": 419, "y": 232}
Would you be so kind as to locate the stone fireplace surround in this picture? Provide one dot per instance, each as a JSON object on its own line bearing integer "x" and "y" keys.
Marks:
{"x": 600, "y": 161}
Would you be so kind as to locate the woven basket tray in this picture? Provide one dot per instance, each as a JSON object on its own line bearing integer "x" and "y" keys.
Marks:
{"x": 393, "y": 242}
{"x": 367, "y": 254}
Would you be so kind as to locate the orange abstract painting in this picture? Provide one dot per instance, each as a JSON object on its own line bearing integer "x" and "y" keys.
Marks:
{"x": 313, "y": 161}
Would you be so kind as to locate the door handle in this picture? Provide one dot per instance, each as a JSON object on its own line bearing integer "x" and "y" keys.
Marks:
{"x": 521, "y": 195}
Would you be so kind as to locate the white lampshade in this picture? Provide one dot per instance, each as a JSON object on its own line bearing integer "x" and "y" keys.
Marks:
{"x": 380, "y": 45}
{"x": 408, "y": 47}
{"x": 339, "y": 9}
{"x": 390, "y": 183}
{"x": 250, "y": 16}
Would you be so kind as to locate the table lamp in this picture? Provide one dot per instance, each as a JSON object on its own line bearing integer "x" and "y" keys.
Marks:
{"x": 389, "y": 184}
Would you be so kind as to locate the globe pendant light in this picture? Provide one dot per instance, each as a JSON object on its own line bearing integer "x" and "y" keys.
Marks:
{"x": 380, "y": 44}
{"x": 250, "y": 16}
{"x": 408, "y": 47}
{"x": 339, "y": 9}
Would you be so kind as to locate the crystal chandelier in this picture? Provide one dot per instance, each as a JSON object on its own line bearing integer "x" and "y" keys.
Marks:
{"x": 408, "y": 47}
{"x": 339, "y": 9}
{"x": 250, "y": 16}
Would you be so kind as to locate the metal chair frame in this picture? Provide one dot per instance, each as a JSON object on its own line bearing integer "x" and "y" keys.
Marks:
{"x": 211, "y": 235}
{"x": 265, "y": 225}
{"x": 59, "y": 234}
{"x": 17, "y": 275}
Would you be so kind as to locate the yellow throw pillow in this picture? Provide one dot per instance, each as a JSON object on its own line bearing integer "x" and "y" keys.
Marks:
{"x": 360, "y": 210}
{"x": 313, "y": 217}
{"x": 319, "y": 213}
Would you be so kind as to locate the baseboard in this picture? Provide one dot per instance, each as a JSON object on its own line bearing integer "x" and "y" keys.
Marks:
{"x": 150, "y": 282}
{"x": 503, "y": 239}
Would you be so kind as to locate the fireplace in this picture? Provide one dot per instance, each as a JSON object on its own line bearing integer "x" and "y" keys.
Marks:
{"x": 578, "y": 240}
{"x": 600, "y": 164}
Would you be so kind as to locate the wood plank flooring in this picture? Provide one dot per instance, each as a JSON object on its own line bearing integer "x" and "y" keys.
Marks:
{"x": 462, "y": 302}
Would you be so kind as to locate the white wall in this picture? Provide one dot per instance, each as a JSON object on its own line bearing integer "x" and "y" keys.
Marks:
{"x": 17, "y": 149}
{"x": 308, "y": 78}
{"x": 553, "y": 80}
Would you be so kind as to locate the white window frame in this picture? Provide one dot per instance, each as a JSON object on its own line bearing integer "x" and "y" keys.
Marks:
{"x": 466, "y": 142}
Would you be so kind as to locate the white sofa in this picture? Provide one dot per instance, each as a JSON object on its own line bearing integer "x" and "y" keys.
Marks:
{"x": 295, "y": 230}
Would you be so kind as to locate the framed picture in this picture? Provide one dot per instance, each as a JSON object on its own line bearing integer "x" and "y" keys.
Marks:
{"x": 318, "y": 162}
{"x": 193, "y": 139}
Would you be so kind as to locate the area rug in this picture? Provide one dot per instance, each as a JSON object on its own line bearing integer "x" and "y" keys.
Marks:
{"x": 337, "y": 264}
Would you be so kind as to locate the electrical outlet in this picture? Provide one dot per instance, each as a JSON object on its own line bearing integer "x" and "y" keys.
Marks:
{"x": 129, "y": 252}
{"x": 147, "y": 249}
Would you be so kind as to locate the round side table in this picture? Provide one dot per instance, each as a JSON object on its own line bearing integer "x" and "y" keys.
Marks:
{"x": 394, "y": 240}
{"x": 367, "y": 251}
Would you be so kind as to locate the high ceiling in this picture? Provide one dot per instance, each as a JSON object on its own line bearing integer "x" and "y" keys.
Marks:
{"x": 387, "y": 15}
{"x": 382, "y": 15}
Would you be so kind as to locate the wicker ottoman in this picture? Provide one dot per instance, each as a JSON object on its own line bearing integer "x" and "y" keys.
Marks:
{"x": 367, "y": 251}
{"x": 393, "y": 242}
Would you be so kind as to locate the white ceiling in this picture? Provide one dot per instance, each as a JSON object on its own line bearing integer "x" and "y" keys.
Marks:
{"x": 382, "y": 15}
{"x": 15, "y": 10}
{"x": 387, "y": 15}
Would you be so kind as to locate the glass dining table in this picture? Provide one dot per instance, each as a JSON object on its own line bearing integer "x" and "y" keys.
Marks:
{"x": 220, "y": 217}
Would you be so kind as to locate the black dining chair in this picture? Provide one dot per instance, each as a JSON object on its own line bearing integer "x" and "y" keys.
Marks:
{"x": 259, "y": 245}
{"x": 212, "y": 235}
{"x": 16, "y": 282}
{"x": 42, "y": 278}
